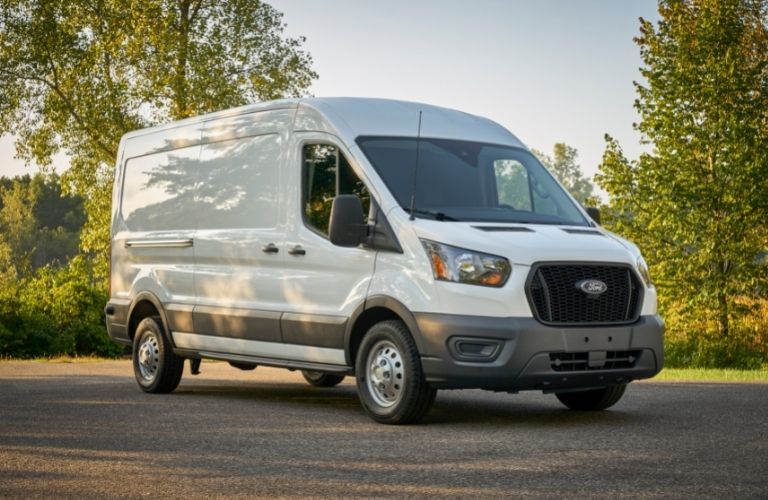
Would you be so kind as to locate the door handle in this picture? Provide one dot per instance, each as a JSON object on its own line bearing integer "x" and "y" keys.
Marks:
{"x": 158, "y": 243}
{"x": 297, "y": 250}
{"x": 270, "y": 248}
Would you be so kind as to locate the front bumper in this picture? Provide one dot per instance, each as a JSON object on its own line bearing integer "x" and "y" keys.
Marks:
{"x": 515, "y": 354}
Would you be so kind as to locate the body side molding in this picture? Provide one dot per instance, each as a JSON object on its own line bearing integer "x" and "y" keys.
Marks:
{"x": 226, "y": 322}
{"x": 313, "y": 329}
{"x": 277, "y": 350}
{"x": 262, "y": 361}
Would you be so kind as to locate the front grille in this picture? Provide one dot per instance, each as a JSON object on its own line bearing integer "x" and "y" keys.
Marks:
{"x": 556, "y": 299}
{"x": 579, "y": 361}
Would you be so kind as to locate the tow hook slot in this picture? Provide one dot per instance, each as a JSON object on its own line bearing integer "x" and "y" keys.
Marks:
{"x": 596, "y": 359}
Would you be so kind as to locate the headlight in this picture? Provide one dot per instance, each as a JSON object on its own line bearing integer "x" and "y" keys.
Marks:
{"x": 642, "y": 268}
{"x": 466, "y": 266}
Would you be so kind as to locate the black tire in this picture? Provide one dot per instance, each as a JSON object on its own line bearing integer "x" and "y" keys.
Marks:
{"x": 156, "y": 367}
{"x": 404, "y": 403}
{"x": 593, "y": 400}
{"x": 320, "y": 379}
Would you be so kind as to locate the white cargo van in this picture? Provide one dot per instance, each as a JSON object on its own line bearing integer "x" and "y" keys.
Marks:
{"x": 414, "y": 247}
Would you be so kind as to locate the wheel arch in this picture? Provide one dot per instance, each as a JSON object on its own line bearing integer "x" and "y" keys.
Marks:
{"x": 144, "y": 305}
{"x": 374, "y": 310}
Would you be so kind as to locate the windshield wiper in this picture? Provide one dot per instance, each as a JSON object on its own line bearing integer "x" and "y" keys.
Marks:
{"x": 437, "y": 215}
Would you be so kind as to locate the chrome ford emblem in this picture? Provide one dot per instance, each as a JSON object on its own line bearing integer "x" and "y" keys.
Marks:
{"x": 592, "y": 287}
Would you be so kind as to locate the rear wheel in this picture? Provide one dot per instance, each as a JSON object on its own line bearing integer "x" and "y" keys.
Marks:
{"x": 596, "y": 399}
{"x": 156, "y": 367}
{"x": 390, "y": 382}
{"x": 320, "y": 379}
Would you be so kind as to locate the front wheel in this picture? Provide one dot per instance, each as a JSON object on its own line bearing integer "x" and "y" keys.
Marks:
{"x": 156, "y": 367}
{"x": 390, "y": 383}
{"x": 593, "y": 400}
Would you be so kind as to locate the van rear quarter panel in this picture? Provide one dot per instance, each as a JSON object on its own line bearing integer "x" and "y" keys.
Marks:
{"x": 170, "y": 270}
{"x": 155, "y": 204}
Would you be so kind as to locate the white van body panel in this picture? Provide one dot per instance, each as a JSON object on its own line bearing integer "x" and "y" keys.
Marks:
{"x": 165, "y": 254}
{"x": 241, "y": 170}
{"x": 538, "y": 243}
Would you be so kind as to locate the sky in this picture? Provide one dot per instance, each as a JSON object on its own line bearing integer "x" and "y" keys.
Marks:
{"x": 548, "y": 70}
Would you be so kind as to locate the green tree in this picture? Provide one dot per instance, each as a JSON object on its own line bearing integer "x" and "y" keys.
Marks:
{"x": 77, "y": 75}
{"x": 18, "y": 224}
{"x": 698, "y": 203}
{"x": 564, "y": 166}
{"x": 38, "y": 223}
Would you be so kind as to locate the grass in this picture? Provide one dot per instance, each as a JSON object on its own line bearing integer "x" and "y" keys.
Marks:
{"x": 712, "y": 375}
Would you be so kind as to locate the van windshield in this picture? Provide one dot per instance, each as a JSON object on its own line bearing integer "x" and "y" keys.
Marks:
{"x": 470, "y": 181}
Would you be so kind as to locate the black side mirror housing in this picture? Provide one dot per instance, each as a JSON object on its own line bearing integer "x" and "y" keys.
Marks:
{"x": 594, "y": 212}
{"x": 347, "y": 226}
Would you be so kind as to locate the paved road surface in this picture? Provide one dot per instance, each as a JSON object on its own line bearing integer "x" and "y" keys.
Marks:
{"x": 86, "y": 429}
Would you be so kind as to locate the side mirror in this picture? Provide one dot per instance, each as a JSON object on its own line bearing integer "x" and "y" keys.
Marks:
{"x": 347, "y": 226}
{"x": 594, "y": 212}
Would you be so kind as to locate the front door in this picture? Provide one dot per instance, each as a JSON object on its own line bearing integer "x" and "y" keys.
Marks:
{"x": 324, "y": 283}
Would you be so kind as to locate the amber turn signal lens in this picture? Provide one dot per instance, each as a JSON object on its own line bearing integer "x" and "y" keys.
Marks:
{"x": 438, "y": 266}
{"x": 492, "y": 279}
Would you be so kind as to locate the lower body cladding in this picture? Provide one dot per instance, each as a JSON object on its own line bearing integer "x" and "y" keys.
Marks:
{"x": 509, "y": 354}
{"x": 514, "y": 354}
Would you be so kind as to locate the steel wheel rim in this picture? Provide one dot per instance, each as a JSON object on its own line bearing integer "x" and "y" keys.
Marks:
{"x": 149, "y": 357}
{"x": 385, "y": 374}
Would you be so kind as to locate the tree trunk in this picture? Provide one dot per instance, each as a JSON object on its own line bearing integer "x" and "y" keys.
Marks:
{"x": 179, "y": 108}
{"x": 723, "y": 322}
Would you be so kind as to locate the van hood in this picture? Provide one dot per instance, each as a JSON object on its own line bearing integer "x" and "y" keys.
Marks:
{"x": 525, "y": 244}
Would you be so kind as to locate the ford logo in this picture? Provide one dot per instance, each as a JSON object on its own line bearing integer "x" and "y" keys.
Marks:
{"x": 592, "y": 287}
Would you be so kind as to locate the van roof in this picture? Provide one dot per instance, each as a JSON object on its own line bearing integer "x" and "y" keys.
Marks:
{"x": 351, "y": 117}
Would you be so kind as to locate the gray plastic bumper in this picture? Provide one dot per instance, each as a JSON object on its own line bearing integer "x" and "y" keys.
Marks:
{"x": 116, "y": 313}
{"x": 521, "y": 353}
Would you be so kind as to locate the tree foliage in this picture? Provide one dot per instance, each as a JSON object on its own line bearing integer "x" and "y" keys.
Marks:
{"x": 48, "y": 302}
{"x": 55, "y": 311}
{"x": 698, "y": 203}
{"x": 77, "y": 75}
{"x": 564, "y": 166}
{"x": 38, "y": 223}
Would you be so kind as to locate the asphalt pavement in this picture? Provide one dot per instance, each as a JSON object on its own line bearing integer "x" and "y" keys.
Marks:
{"x": 85, "y": 429}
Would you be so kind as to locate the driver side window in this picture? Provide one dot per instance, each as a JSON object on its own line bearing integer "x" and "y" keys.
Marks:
{"x": 325, "y": 174}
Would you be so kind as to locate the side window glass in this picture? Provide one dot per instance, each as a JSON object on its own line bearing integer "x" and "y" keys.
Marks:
{"x": 326, "y": 173}
{"x": 350, "y": 183}
{"x": 512, "y": 184}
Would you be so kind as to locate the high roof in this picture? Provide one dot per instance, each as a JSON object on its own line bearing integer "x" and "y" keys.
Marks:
{"x": 350, "y": 117}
